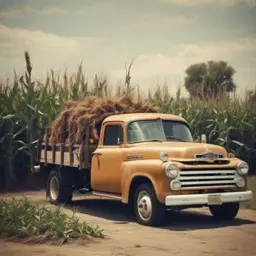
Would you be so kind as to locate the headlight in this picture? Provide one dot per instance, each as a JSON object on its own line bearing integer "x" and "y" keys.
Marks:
{"x": 172, "y": 170}
{"x": 175, "y": 185}
{"x": 240, "y": 182}
{"x": 242, "y": 168}
{"x": 164, "y": 156}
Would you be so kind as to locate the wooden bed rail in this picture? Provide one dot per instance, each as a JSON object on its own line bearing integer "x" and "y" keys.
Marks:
{"x": 63, "y": 154}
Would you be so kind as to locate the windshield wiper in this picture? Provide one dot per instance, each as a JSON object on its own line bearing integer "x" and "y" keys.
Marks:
{"x": 174, "y": 138}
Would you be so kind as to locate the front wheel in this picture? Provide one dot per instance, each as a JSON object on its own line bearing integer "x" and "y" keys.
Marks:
{"x": 56, "y": 191}
{"x": 147, "y": 209}
{"x": 227, "y": 211}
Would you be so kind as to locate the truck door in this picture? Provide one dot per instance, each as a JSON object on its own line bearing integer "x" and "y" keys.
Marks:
{"x": 107, "y": 160}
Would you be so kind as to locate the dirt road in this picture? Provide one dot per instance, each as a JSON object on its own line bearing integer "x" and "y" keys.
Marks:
{"x": 191, "y": 232}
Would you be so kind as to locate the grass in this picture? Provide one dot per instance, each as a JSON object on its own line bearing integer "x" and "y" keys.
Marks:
{"x": 22, "y": 220}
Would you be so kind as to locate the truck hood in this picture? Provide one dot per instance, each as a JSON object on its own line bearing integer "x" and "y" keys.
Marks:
{"x": 184, "y": 150}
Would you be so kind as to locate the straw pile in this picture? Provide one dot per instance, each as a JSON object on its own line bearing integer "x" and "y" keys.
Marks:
{"x": 83, "y": 118}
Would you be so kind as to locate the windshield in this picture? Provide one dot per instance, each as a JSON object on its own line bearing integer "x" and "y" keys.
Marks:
{"x": 158, "y": 130}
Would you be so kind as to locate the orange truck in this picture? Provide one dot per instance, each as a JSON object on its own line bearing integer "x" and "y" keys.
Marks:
{"x": 150, "y": 162}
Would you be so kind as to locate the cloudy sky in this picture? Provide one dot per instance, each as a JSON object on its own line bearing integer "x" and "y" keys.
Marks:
{"x": 163, "y": 37}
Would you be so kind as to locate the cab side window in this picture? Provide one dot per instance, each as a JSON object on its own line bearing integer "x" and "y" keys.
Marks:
{"x": 113, "y": 134}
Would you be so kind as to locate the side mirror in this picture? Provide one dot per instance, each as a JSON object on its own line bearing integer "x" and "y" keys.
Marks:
{"x": 203, "y": 138}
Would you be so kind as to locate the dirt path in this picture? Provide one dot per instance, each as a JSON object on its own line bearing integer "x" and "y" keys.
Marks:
{"x": 191, "y": 233}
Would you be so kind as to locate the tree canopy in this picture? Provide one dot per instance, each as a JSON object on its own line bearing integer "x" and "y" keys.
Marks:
{"x": 209, "y": 80}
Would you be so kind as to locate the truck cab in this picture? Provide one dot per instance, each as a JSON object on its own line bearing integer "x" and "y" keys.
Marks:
{"x": 151, "y": 162}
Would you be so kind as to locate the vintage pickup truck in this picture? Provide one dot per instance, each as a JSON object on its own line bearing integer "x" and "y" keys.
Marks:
{"x": 150, "y": 162}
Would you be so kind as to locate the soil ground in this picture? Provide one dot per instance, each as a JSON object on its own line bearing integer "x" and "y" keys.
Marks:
{"x": 190, "y": 232}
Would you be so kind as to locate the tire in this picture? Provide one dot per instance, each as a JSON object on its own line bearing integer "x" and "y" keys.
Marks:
{"x": 56, "y": 191}
{"x": 147, "y": 209}
{"x": 226, "y": 211}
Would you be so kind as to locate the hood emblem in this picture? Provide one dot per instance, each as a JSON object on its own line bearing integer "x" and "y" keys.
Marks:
{"x": 133, "y": 157}
{"x": 209, "y": 156}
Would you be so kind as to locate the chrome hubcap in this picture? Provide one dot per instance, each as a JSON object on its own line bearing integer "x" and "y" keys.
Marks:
{"x": 144, "y": 205}
{"x": 54, "y": 188}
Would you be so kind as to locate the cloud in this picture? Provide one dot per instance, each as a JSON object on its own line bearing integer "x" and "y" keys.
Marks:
{"x": 219, "y": 49}
{"x": 20, "y": 10}
{"x": 160, "y": 19}
{"x": 47, "y": 50}
{"x": 14, "y": 12}
{"x": 150, "y": 68}
{"x": 210, "y": 2}
{"x": 58, "y": 52}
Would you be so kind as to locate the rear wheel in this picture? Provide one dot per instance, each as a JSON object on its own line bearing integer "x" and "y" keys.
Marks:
{"x": 227, "y": 211}
{"x": 57, "y": 191}
{"x": 147, "y": 209}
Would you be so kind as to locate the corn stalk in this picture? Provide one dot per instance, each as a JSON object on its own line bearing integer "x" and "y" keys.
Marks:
{"x": 26, "y": 106}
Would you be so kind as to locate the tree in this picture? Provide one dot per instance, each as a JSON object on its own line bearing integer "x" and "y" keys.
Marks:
{"x": 210, "y": 80}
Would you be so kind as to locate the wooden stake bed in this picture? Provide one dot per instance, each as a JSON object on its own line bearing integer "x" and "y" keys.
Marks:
{"x": 72, "y": 155}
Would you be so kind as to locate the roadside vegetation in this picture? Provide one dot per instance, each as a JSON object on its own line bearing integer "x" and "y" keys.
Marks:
{"x": 28, "y": 105}
{"x": 22, "y": 220}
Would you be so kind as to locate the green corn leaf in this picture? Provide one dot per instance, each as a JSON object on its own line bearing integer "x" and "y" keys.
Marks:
{"x": 238, "y": 143}
{"x": 20, "y": 142}
{"x": 19, "y": 132}
{"x": 8, "y": 117}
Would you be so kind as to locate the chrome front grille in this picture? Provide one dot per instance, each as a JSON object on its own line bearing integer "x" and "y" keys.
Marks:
{"x": 196, "y": 161}
{"x": 207, "y": 179}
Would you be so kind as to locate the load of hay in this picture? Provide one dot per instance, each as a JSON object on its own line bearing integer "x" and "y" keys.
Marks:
{"x": 83, "y": 119}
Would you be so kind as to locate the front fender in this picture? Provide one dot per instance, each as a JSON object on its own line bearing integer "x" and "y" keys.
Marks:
{"x": 152, "y": 169}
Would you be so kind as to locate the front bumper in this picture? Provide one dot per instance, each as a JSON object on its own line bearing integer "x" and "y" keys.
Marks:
{"x": 208, "y": 199}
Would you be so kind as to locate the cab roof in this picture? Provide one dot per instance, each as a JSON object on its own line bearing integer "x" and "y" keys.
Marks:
{"x": 142, "y": 116}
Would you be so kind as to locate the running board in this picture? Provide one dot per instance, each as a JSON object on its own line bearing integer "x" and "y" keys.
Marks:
{"x": 107, "y": 195}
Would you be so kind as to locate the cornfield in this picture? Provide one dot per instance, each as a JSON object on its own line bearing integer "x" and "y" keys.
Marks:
{"x": 27, "y": 106}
